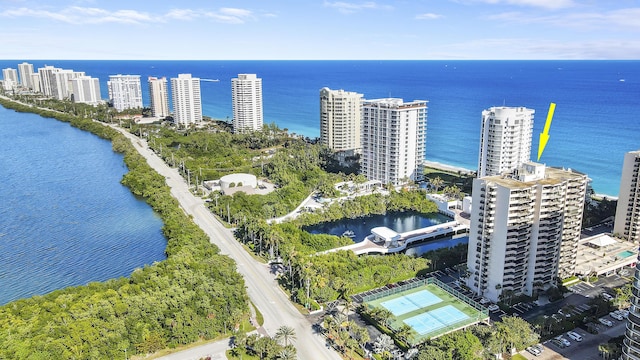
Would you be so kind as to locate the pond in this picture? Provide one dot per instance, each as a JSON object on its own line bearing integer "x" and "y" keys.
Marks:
{"x": 360, "y": 228}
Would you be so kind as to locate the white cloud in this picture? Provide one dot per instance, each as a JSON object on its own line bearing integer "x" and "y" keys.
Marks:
{"x": 428, "y": 16}
{"x": 348, "y": 8}
{"x": 231, "y": 15}
{"x": 82, "y": 15}
{"x": 78, "y": 15}
{"x": 622, "y": 19}
{"x": 547, "y": 4}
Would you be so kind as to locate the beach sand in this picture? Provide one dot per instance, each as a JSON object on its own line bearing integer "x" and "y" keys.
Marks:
{"x": 451, "y": 168}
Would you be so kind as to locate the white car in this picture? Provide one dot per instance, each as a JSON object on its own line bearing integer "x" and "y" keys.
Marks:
{"x": 534, "y": 351}
{"x": 616, "y": 315}
{"x": 493, "y": 307}
{"x": 605, "y": 322}
{"x": 574, "y": 336}
{"x": 624, "y": 312}
{"x": 564, "y": 341}
{"x": 607, "y": 296}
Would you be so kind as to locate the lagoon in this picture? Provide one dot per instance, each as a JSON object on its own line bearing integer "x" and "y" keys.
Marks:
{"x": 397, "y": 221}
{"x": 65, "y": 219}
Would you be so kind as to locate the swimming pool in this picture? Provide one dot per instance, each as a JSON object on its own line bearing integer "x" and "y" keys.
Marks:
{"x": 625, "y": 254}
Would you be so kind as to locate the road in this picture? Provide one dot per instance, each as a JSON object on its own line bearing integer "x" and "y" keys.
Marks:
{"x": 262, "y": 288}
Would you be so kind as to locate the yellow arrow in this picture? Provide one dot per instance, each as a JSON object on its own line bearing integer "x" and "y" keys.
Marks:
{"x": 544, "y": 135}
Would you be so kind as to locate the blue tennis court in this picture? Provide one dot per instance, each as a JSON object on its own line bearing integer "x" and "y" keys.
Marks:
{"x": 436, "y": 319}
{"x": 411, "y": 302}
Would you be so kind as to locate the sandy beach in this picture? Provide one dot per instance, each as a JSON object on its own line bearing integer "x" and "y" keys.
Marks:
{"x": 441, "y": 166}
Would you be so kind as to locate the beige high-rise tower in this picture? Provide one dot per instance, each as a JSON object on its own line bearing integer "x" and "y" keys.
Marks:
{"x": 524, "y": 230}
{"x": 340, "y": 120}
{"x": 159, "y": 96}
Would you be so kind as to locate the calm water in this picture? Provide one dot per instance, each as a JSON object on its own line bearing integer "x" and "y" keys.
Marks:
{"x": 595, "y": 120}
{"x": 361, "y": 227}
{"x": 65, "y": 219}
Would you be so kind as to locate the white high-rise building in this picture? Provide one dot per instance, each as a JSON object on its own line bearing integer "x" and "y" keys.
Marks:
{"x": 86, "y": 90}
{"x": 341, "y": 120}
{"x": 46, "y": 79}
{"x": 159, "y": 95}
{"x": 505, "y": 139}
{"x": 393, "y": 140}
{"x": 125, "y": 91}
{"x": 246, "y": 99}
{"x": 627, "y": 220}
{"x": 26, "y": 70}
{"x": 35, "y": 82}
{"x": 524, "y": 230}
{"x": 61, "y": 87}
{"x": 10, "y": 78}
{"x": 187, "y": 104}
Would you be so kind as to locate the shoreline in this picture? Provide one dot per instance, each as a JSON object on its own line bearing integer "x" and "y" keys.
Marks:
{"x": 447, "y": 167}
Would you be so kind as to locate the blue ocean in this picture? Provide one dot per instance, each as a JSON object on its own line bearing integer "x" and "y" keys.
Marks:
{"x": 65, "y": 219}
{"x": 595, "y": 121}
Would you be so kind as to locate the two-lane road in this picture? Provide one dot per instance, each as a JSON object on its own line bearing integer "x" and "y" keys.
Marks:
{"x": 274, "y": 305}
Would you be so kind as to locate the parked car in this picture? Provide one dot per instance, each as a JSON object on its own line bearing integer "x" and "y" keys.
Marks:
{"x": 493, "y": 307}
{"x": 534, "y": 351}
{"x": 567, "y": 315}
{"x": 574, "y": 336}
{"x": 605, "y": 322}
{"x": 564, "y": 341}
{"x": 558, "y": 343}
{"x": 624, "y": 312}
{"x": 607, "y": 296}
{"x": 616, "y": 315}
{"x": 484, "y": 301}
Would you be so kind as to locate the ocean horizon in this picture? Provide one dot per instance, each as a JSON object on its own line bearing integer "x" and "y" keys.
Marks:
{"x": 594, "y": 125}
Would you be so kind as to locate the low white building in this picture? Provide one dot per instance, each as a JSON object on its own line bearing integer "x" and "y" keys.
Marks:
{"x": 231, "y": 182}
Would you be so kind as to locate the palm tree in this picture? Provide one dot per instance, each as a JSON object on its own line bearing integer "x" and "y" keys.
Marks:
{"x": 285, "y": 333}
{"x": 437, "y": 182}
{"x": 288, "y": 353}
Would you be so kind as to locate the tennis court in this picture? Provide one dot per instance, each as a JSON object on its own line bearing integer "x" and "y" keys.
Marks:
{"x": 410, "y": 302}
{"x": 429, "y": 322}
{"x": 430, "y": 307}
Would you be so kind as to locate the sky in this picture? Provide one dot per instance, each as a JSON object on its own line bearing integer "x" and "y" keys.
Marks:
{"x": 319, "y": 29}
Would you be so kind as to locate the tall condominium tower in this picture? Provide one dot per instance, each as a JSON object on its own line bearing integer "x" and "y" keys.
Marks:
{"x": 10, "y": 78}
{"x": 26, "y": 70}
{"x": 61, "y": 87}
{"x": 524, "y": 230}
{"x": 35, "y": 82}
{"x": 627, "y": 221}
{"x": 125, "y": 91}
{"x": 631, "y": 343}
{"x": 246, "y": 99}
{"x": 159, "y": 97}
{"x": 86, "y": 90}
{"x": 46, "y": 79}
{"x": 340, "y": 120}
{"x": 393, "y": 140}
{"x": 187, "y": 104}
{"x": 505, "y": 139}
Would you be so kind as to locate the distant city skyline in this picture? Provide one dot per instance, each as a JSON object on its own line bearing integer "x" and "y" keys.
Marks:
{"x": 320, "y": 30}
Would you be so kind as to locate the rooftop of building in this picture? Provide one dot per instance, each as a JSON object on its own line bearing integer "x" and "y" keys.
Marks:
{"x": 396, "y": 102}
{"x": 550, "y": 176}
{"x": 602, "y": 253}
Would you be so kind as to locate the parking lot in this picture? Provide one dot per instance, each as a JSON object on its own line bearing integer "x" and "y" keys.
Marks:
{"x": 587, "y": 349}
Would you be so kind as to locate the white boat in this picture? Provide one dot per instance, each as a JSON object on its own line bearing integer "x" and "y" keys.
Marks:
{"x": 349, "y": 233}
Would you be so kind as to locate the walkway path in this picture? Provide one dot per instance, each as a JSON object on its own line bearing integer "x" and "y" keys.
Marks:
{"x": 262, "y": 288}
